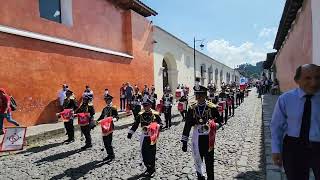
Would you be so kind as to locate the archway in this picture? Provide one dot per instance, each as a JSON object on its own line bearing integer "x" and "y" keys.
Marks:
{"x": 165, "y": 75}
{"x": 170, "y": 72}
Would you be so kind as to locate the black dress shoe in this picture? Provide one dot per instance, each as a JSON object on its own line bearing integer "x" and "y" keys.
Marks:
{"x": 149, "y": 173}
{"x": 1, "y": 132}
{"x": 68, "y": 141}
{"x": 86, "y": 147}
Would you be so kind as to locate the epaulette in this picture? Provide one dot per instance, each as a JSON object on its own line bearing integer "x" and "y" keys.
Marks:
{"x": 155, "y": 112}
{"x": 141, "y": 112}
{"x": 211, "y": 105}
{"x": 192, "y": 105}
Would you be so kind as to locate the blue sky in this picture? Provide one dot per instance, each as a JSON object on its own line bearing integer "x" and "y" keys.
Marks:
{"x": 235, "y": 31}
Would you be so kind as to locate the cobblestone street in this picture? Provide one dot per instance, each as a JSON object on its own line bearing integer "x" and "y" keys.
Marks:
{"x": 238, "y": 154}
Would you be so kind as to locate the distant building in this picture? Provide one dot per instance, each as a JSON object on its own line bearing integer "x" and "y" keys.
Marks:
{"x": 297, "y": 41}
{"x": 174, "y": 64}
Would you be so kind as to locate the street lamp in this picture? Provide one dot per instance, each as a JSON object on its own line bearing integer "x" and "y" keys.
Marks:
{"x": 194, "y": 54}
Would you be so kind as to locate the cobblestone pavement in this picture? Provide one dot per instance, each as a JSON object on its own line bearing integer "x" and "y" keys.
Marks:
{"x": 238, "y": 154}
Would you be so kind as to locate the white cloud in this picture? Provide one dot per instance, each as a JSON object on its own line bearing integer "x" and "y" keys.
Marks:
{"x": 268, "y": 32}
{"x": 232, "y": 55}
{"x": 269, "y": 45}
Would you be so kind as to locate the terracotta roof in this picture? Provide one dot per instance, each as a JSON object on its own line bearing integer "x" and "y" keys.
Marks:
{"x": 136, "y": 6}
{"x": 288, "y": 16}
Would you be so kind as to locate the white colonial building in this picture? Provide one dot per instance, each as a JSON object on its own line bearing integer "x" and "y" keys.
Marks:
{"x": 174, "y": 64}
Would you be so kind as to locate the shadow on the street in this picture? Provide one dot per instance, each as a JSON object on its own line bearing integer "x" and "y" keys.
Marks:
{"x": 38, "y": 149}
{"x": 76, "y": 173}
{"x": 58, "y": 156}
{"x": 248, "y": 175}
{"x": 139, "y": 176}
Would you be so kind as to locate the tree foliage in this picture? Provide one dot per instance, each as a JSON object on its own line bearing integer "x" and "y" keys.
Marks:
{"x": 251, "y": 71}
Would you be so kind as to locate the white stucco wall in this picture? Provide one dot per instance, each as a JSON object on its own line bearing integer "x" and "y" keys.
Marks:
{"x": 315, "y": 5}
{"x": 179, "y": 58}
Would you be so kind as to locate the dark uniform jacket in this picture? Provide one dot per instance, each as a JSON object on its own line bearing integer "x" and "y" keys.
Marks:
{"x": 145, "y": 118}
{"x": 167, "y": 98}
{"x": 223, "y": 95}
{"x": 194, "y": 118}
{"x": 109, "y": 111}
{"x": 86, "y": 109}
{"x": 136, "y": 98}
{"x": 70, "y": 104}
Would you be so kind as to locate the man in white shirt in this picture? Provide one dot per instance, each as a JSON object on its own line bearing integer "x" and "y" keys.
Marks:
{"x": 62, "y": 94}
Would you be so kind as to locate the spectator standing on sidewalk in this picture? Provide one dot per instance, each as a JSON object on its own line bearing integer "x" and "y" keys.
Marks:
{"x": 5, "y": 109}
{"x": 129, "y": 93}
{"x": 295, "y": 126}
{"x": 88, "y": 93}
{"x": 62, "y": 95}
{"x": 123, "y": 98}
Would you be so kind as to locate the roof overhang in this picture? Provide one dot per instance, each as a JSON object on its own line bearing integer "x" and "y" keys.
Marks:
{"x": 269, "y": 61}
{"x": 288, "y": 16}
{"x": 136, "y": 6}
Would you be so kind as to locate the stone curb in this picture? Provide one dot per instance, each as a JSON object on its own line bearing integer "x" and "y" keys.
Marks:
{"x": 272, "y": 172}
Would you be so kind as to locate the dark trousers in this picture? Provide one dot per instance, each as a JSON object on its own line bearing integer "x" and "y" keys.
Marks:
{"x": 183, "y": 114}
{"x": 208, "y": 157}
{"x": 70, "y": 129}
{"x": 226, "y": 114}
{"x": 129, "y": 102}
{"x": 86, "y": 132}
{"x": 167, "y": 115}
{"x": 107, "y": 141}
{"x": 136, "y": 110}
{"x": 122, "y": 103}
{"x": 241, "y": 97}
{"x": 299, "y": 158}
{"x": 232, "y": 107}
{"x": 238, "y": 100}
{"x": 154, "y": 106}
{"x": 149, "y": 154}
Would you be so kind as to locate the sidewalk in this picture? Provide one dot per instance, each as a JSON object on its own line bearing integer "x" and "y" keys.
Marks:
{"x": 43, "y": 132}
{"x": 272, "y": 172}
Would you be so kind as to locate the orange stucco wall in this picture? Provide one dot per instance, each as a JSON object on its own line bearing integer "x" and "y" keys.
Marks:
{"x": 33, "y": 70}
{"x": 297, "y": 49}
{"x": 95, "y": 22}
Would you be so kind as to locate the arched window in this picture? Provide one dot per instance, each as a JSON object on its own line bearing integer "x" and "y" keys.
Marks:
{"x": 221, "y": 76}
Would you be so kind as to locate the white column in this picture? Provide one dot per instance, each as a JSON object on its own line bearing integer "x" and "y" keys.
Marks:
{"x": 315, "y": 8}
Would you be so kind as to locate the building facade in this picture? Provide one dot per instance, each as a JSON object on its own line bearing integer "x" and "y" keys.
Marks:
{"x": 297, "y": 41}
{"x": 174, "y": 64}
{"x": 44, "y": 44}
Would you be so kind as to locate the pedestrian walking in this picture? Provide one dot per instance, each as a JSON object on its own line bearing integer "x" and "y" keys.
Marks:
{"x": 123, "y": 98}
{"x": 151, "y": 124}
{"x": 129, "y": 93}
{"x": 70, "y": 103}
{"x": 205, "y": 119}
{"x": 5, "y": 109}
{"x": 62, "y": 95}
{"x": 85, "y": 115}
{"x": 295, "y": 126}
{"x": 153, "y": 97}
{"x": 167, "y": 101}
{"x": 107, "y": 129}
{"x": 136, "y": 102}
